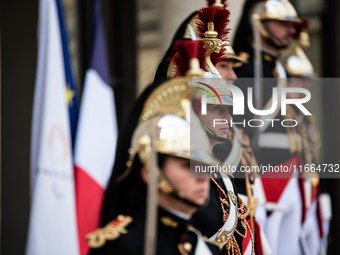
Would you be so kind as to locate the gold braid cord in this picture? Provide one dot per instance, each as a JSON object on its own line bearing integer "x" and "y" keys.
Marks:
{"x": 310, "y": 135}
{"x": 308, "y": 139}
{"x": 295, "y": 140}
{"x": 242, "y": 214}
{"x": 248, "y": 161}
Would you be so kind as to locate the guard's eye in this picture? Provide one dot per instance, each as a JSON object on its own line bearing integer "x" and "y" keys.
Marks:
{"x": 222, "y": 107}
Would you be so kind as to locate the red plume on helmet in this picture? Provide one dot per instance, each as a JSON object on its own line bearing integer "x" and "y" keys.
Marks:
{"x": 187, "y": 50}
{"x": 301, "y": 26}
{"x": 220, "y": 18}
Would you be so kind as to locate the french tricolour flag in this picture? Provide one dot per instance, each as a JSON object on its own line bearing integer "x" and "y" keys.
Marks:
{"x": 96, "y": 136}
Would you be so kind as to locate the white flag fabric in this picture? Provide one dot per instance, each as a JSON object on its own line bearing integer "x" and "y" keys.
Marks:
{"x": 96, "y": 136}
{"x": 52, "y": 227}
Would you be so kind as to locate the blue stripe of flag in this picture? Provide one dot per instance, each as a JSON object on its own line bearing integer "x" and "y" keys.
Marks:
{"x": 70, "y": 83}
{"x": 99, "y": 58}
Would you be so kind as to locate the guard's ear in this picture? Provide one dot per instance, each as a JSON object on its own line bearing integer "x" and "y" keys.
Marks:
{"x": 145, "y": 175}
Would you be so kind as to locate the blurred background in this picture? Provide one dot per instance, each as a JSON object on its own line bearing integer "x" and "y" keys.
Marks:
{"x": 138, "y": 34}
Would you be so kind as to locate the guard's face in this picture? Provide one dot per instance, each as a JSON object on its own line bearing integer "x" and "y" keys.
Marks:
{"x": 226, "y": 70}
{"x": 283, "y": 31}
{"x": 177, "y": 171}
{"x": 217, "y": 112}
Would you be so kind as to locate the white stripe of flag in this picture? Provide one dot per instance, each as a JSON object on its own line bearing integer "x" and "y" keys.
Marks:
{"x": 96, "y": 136}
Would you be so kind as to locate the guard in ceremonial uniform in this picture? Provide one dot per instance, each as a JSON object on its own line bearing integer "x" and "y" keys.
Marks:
{"x": 316, "y": 209}
{"x": 158, "y": 171}
{"x": 273, "y": 25}
{"x": 237, "y": 142}
{"x": 214, "y": 221}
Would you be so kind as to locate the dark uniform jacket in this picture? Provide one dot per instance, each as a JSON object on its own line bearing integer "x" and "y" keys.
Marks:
{"x": 172, "y": 235}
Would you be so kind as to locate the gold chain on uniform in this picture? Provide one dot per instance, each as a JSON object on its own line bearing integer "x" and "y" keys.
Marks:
{"x": 242, "y": 214}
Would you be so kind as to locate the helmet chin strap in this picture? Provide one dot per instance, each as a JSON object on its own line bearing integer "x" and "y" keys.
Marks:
{"x": 274, "y": 42}
{"x": 212, "y": 135}
{"x": 170, "y": 190}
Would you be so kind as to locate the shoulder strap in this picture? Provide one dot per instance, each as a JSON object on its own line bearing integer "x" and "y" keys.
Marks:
{"x": 111, "y": 231}
{"x": 221, "y": 237}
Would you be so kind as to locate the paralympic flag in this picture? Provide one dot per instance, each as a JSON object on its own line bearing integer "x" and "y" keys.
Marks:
{"x": 96, "y": 136}
{"x": 52, "y": 227}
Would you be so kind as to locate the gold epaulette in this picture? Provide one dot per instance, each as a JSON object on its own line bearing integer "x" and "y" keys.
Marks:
{"x": 111, "y": 231}
{"x": 244, "y": 56}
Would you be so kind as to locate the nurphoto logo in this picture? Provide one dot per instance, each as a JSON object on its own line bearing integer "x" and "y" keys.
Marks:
{"x": 279, "y": 102}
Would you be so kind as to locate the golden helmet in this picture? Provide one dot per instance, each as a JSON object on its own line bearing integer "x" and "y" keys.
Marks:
{"x": 281, "y": 10}
{"x": 167, "y": 123}
{"x": 296, "y": 62}
{"x": 276, "y": 10}
{"x": 168, "y": 119}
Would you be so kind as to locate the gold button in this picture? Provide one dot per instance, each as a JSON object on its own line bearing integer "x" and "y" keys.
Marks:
{"x": 187, "y": 247}
{"x": 267, "y": 58}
